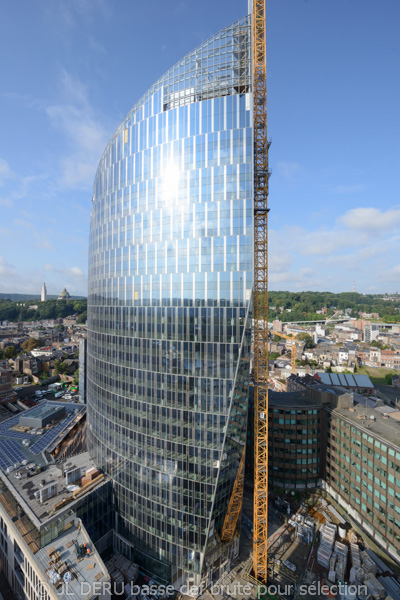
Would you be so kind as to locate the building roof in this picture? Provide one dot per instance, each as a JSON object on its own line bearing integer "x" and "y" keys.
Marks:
{"x": 291, "y": 400}
{"x": 23, "y": 489}
{"x": 346, "y": 380}
{"x": 12, "y": 435}
{"x": 373, "y": 421}
{"x": 90, "y": 569}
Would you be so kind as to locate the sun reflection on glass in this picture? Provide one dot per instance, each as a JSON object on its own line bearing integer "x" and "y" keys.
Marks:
{"x": 170, "y": 182}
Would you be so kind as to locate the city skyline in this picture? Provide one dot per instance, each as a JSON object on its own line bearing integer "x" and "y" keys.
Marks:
{"x": 332, "y": 85}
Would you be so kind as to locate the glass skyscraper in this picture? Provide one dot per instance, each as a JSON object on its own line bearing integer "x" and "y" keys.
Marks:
{"x": 169, "y": 308}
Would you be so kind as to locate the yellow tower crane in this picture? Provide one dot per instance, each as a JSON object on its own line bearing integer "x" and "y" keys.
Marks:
{"x": 292, "y": 349}
{"x": 260, "y": 312}
{"x": 260, "y": 295}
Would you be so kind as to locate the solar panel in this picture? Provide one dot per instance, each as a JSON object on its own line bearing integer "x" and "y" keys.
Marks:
{"x": 50, "y": 435}
{"x": 9, "y": 449}
{"x": 10, "y": 454}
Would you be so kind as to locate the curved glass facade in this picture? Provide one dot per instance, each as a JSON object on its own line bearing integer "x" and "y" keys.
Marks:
{"x": 170, "y": 281}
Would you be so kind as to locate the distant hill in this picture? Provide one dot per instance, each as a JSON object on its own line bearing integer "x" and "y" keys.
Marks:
{"x": 23, "y": 297}
{"x": 20, "y": 310}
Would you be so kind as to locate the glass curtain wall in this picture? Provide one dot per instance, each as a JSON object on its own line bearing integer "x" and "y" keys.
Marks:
{"x": 169, "y": 305}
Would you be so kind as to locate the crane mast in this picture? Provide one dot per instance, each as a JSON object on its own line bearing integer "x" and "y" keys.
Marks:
{"x": 260, "y": 296}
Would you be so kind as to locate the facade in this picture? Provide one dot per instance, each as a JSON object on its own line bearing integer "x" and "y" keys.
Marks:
{"x": 43, "y": 293}
{"x": 296, "y": 447}
{"x": 169, "y": 301}
{"x": 363, "y": 471}
{"x": 82, "y": 369}
{"x": 296, "y": 443}
{"x": 6, "y": 385}
{"x": 359, "y": 454}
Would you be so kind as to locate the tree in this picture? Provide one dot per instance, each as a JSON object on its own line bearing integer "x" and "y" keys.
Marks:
{"x": 82, "y": 318}
{"x": 60, "y": 327}
{"x": 389, "y": 379}
{"x": 10, "y": 352}
{"x": 32, "y": 343}
{"x": 307, "y": 339}
{"x": 76, "y": 377}
{"x": 376, "y": 344}
{"x": 60, "y": 367}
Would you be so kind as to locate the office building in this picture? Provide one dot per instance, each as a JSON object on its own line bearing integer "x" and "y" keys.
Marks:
{"x": 170, "y": 281}
{"x": 340, "y": 444}
{"x": 363, "y": 471}
{"x": 47, "y": 515}
{"x": 296, "y": 447}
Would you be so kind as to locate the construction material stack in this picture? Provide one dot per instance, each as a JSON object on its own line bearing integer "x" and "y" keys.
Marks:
{"x": 341, "y": 550}
{"x": 375, "y": 589}
{"x": 355, "y": 561}
{"x": 368, "y": 565}
{"x": 327, "y": 538}
{"x": 122, "y": 571}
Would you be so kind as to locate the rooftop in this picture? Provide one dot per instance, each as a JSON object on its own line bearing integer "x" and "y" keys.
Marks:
{"x": 60, "y": 556}
{"x": 26, "y": 484}
{"x": 291, "y": 400}
{"x": 376, "y": 422}
{"x": 346, "y": 380}
{"x": 23, "y": 444}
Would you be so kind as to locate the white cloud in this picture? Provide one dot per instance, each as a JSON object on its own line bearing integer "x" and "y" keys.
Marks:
{"x": 5, "y": 171}
{"x": 4, "y": 263}
{"x": 371, "y": 219}
{"x": 349, "y": 189}
{"x": 75, "y": 272}
{"x": 333, "y": 257}
{"x": 70, "y": 13}
{"x": 42, "y": 242}
{"x": 85, "y": 135}
{"x": 5, "y": 268}
{"x": 289, "y": 170}
{"x": 6, "y": 202}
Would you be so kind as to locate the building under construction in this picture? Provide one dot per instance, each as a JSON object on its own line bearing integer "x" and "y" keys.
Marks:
{"x": 185, "y": 176}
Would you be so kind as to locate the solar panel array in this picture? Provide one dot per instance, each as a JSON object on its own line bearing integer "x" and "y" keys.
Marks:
{"x": 38, "y": 443}
{"x": 10, "y": 453}
{"x": 46, "y": 439}
{"x": 7, "y": 432}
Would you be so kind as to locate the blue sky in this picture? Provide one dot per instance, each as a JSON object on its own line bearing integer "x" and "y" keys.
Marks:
{"x": 71, "y": 70}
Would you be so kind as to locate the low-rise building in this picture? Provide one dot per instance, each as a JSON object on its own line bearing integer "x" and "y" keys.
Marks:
{"x": 47, "y": 509}
{"x": 356, "y": 383}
